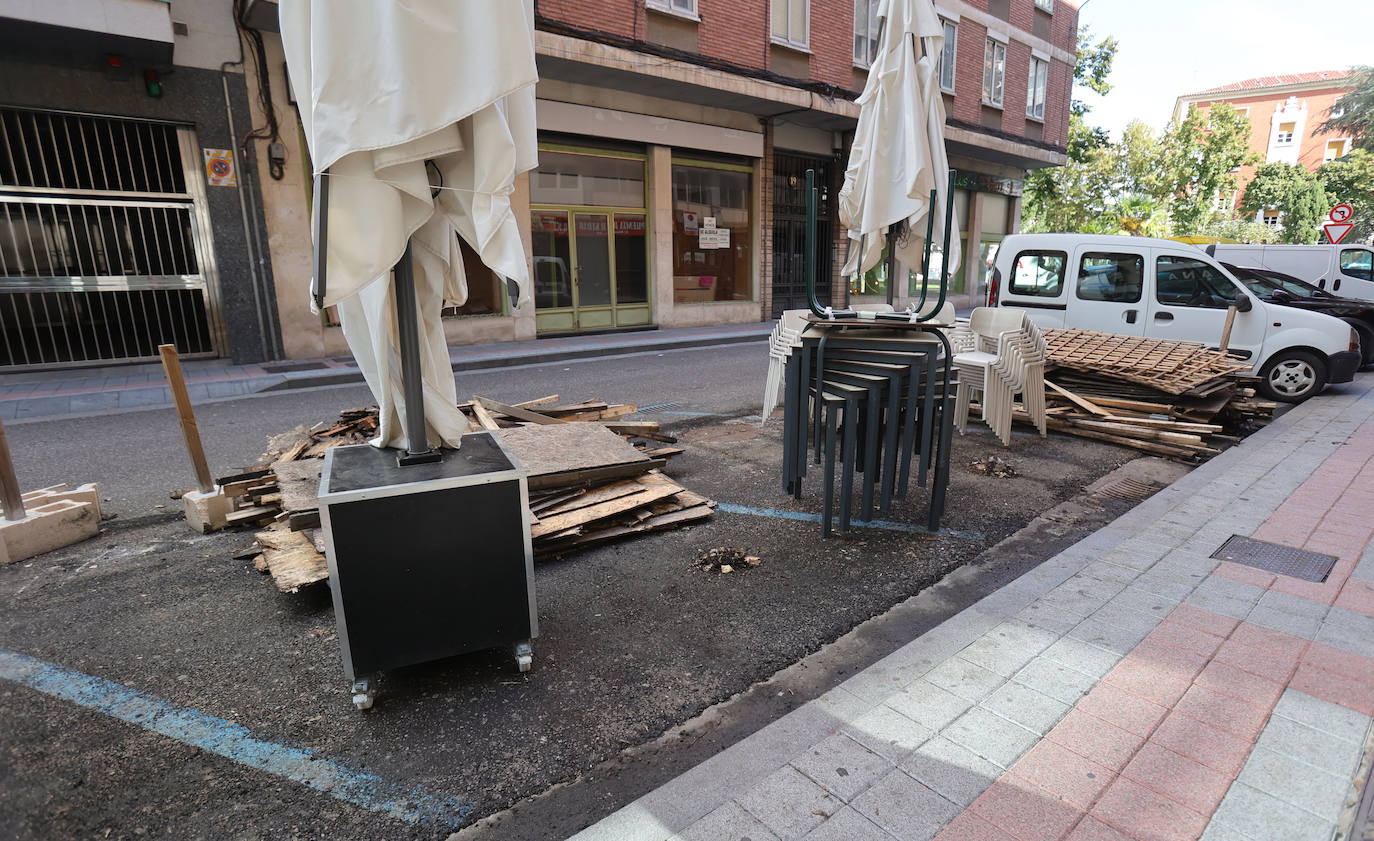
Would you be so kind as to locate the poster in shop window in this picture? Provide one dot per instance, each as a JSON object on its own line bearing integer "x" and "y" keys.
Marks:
{"x": 711, "y": 237}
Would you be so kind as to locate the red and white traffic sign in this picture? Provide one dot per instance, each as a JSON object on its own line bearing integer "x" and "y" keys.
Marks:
{"x": 1339, "y": 225}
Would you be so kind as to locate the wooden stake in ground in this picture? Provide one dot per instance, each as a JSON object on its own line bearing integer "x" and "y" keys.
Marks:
{"x": 172, "y": 365}
{"x": 9, "y": 485}
{"x": 1226, "y": 331}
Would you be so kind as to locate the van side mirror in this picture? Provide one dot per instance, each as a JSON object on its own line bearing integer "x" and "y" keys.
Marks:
{"x": 1244, "y": 304}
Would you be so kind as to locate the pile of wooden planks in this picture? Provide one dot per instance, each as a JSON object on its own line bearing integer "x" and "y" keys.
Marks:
{"x": 1180, "y": 400}
{"x": 1165, "y": 365}
{"x": 593, "y": 477}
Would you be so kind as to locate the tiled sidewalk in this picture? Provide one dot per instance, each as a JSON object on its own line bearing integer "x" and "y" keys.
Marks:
{"x": 1129, "y": 688}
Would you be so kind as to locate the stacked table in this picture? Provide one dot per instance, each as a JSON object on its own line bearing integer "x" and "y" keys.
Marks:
{"x": 886, "y": 385}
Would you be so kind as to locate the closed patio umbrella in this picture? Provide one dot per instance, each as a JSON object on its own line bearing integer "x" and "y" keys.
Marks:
{"x": 898, "y": 155}
{"x": 418, "y": 116}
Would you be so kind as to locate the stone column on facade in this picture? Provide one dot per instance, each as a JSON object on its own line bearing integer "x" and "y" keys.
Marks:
{"x": 972, "y": 261}
{"x": 1014, "y": 224}
{"x": 661, "y": 213}
{"x": 524, "y": 323}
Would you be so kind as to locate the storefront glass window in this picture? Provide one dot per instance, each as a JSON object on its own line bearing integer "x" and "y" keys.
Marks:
{"x": 712, "y": 263}
{"x": 566, "y": 178}
{"x": 631, "y": 279}
{"x": 552, "y": 259}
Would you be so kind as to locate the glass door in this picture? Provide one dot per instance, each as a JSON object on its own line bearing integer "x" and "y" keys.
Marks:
{"x": 592, "y": 272}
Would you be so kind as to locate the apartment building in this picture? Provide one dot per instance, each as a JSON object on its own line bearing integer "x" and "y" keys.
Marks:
{"x": 1285, "y": 113}
{"x": 674, "y": 140}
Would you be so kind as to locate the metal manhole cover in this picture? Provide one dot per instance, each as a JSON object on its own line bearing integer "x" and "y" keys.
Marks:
{"x": 1276, "y": 558}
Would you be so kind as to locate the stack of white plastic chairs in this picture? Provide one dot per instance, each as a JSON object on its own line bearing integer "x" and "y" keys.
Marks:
{"x": 999, "y": 353}
{"x": 786, "y": 337}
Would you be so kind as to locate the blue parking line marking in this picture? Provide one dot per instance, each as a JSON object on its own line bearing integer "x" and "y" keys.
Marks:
{"x": 234, "y": 742}
{"x": 885, "y": 525}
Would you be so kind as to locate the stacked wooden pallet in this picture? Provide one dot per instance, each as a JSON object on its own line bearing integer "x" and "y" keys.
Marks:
{"x": 593, "y": 477}
{"x": 1180, "y": 400}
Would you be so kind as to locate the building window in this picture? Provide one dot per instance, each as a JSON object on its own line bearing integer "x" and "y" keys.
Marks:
{"x": 791, "y": 21}
{"x": 1226, "y": 201}
{"x": 713, "y": 252}
{"x": 681, "y": 7}
{"x": 1036, "y": 84}
{"x": 1337, "y": 111}
{"x": 1271, "y": 218}
{"x": 994, "y": 71}
{"x": 865, "y": 31}
{"x": 1286, "y": 132}
{"x": 569, "y": 178}
{"x": 1047, "y": 5}
{"x": 944, "y": 65}
{"x": 1335, "y": 149}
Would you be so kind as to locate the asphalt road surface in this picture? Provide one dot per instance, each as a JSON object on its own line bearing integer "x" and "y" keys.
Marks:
{"x": 153, "y": 686}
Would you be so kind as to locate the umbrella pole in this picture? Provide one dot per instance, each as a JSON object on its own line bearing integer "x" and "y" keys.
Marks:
{"x": 891, "y": 264}
{"x": 321, "y": 235}
{"x": 408, "y": 336}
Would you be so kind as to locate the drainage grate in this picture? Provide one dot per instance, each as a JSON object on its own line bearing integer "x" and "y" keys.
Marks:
{"x": 284, "y": 367}
{"x": 1129, "y": 489}
{"x": 1277, "y": 558}
{"x": 656, "y": 407}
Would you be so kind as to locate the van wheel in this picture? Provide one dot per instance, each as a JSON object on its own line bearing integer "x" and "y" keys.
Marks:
{"x": 1366, "y": 334}
{"x": 1292, "y": 376}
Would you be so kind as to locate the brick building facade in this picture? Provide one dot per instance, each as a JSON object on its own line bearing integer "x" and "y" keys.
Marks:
{"x": 1284, "y": 112}
{"x": 674, "y": 140}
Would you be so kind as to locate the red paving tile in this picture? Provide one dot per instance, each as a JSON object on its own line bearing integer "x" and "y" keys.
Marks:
{"x": 1154, "y": 682}
{"x": 1266, "y": 663}
{"x": 1357, "y": 595}
{"x": 1091, "y": 829}
{"x": 1089, "y": 736}
{"x": 1025, "y": 812}
{"x": 1338, "y": 689}
{"x": 1178, "y": 778}
{"x": 1203, "y": 741}
{"x": 1189, "y": 639}
{"x": 1147, "y": 815}
{"x": 1341, "y": 662}
{"x": 970, "y": 827}
{"x": 1203, "y": 620}
{"x": 1230, "y": 714}
{"x": 1259, "y": 636}
{"x": 1056, "y": 769}
{"x": 1123, "y": 708}
{"x": 1237, "y": 683}
{"x": 1247, "y": 574}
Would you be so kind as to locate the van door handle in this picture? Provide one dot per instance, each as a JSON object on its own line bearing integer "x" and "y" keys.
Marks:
{"x": 1164, "y": 316}
{"x": 1336, "y": 285}
{"x": 1130, "y": 316}
{"x": 1321, "y": 283}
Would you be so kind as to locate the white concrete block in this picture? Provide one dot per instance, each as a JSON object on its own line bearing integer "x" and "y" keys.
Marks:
{"x": 206, "y": 512}
{"x": 46, "y": 527}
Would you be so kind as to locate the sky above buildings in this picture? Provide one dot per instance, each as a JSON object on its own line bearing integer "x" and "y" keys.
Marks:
{"x": 1174, "y": 47}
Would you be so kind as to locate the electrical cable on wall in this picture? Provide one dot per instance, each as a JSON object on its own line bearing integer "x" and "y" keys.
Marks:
{"x": 276, "y": 150}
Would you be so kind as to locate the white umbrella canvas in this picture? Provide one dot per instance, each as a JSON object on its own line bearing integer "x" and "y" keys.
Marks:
{"x": 418, "y": 116}
{"x": 898, "y": 155}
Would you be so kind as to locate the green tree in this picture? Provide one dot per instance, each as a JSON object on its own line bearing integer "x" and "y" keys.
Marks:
{"x": 1199, "y": 158}
{"x": 1138, "y": 159}
{"x": 1294, "y": 192}
{"x": 1350, "y": 180}
{"x": 1074, "y": 196}
{"x": 1141, "y": 215}
{"x": 1240, "y": 230}
{"x": 1356, "y": 110}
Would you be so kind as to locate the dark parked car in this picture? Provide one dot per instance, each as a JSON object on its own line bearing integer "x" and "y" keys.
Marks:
{"x": 1280, "y": 288}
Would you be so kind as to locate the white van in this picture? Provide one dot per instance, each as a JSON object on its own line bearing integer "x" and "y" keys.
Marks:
{"x": 1343, "y": 270}
{"x": 1157, "y": 287}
